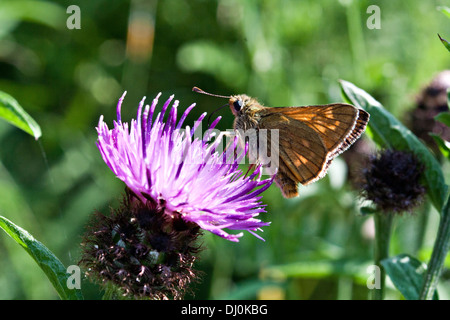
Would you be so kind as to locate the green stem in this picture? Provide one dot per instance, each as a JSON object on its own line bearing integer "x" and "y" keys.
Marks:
{"x": 440, "y": 250}
{"x": 356, "y": 39}
{"x": 383, "y": 227}
{"x": 422, "y": 226}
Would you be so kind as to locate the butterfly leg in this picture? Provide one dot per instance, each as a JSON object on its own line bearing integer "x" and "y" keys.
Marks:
{"x": 250, "y": 167}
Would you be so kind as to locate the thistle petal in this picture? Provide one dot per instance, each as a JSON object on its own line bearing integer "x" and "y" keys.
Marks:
{"x": 186, "y": 175}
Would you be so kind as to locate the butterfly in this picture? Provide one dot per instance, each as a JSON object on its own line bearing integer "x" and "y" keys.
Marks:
{"x": 309, "y": 137}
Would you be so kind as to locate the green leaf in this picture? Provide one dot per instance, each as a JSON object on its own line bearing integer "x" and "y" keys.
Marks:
{"x": 46, "y": 260}
{"x": 443, "y": 117}
{"x": 367, "y": 210}
{"x": 52, "y": 15}
{"x": 444, "y": 146}
{"x": 318, "y": 269}
{"x": 407, "y": 273}
{"x": 11, "y": 111}
{"x": 445, "y": 10}
{"x": 385, "y": 130}
{"x": 445, "y": 42}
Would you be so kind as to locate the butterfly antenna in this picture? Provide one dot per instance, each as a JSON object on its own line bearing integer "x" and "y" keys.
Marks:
{"x": 198, "y": 90}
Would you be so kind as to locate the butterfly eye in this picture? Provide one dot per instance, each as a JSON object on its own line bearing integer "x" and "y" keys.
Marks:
{"x": 237, "y": 105}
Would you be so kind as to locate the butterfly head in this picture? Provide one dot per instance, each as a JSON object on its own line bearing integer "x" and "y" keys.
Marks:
{"x": 240, "y": 104}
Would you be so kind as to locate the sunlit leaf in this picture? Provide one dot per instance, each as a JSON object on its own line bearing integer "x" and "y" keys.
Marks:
{"x": 407, "y": 273}
{"x": 11, "y": 111}
{"x": 444, "y": 146}
{"x": 46, "y": 260}
{"x": 445, "y": 10}
{"x": 43, "y": 12}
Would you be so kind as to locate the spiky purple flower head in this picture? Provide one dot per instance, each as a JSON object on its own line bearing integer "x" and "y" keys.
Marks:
{"x": 164, "y": 165}
{"x": 177, "y": 184}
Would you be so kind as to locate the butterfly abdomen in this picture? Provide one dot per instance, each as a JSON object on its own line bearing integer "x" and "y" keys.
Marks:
{"x": 287, "y": 186}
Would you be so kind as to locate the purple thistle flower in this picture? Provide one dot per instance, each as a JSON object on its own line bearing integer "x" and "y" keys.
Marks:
{"x": 164, "y": 165}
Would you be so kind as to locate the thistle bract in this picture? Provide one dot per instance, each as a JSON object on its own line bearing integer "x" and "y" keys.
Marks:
{"x": 392, "y": 181}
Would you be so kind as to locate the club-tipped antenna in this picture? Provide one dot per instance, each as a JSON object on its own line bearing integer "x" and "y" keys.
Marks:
{"x": 196, "y": 89}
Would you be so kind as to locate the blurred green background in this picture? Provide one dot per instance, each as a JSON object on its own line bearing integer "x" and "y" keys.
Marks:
{"x": 287, "y": 52}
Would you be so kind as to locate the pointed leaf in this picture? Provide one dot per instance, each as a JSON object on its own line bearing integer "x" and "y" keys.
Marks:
{"x": 46, "y": 260}
{"x": 445, "y": 10}
{"x": 407, "y": 273}
{"x": 11, "y": 111}
{"x": 443, "y": 117}
{"x": 444, "y": 146}
{"x": 445, "y": 42}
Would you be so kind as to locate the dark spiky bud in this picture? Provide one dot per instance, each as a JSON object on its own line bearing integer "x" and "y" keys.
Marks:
{"x": 392, "y": 181}
{"x": 141, "y": 251}
{"x": 431, "y": 101}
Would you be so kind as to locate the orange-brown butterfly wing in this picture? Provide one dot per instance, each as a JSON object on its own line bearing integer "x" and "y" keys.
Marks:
{"x": 334, "y": 122}
{"x": 310, "y": 138}
{"x": 338, "y": 125}
{"x": 302, "y": 153}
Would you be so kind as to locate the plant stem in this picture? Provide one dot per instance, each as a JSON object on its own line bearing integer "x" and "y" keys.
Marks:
{"x": 441, "y": 247}
{"x": 383, "y": 227}
{"x": 422, "y": 226}
{"x": 356, "y": 39}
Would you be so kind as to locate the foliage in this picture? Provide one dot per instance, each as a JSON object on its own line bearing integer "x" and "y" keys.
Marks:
{"x": 47, "y": 261}
{"x": 285, "y": 53}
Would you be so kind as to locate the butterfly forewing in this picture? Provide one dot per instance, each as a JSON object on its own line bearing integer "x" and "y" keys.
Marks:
{"x": 333, "y": 122}
{"x": 302, "y": 153}
{"x": 360, "y": 126}
{"x": 310, "y": 138}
